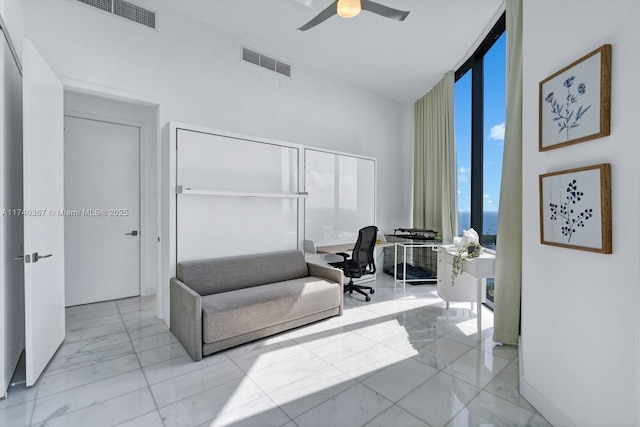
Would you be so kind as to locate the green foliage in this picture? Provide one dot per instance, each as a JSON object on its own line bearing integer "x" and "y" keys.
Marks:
{"x": 468, "y": 250}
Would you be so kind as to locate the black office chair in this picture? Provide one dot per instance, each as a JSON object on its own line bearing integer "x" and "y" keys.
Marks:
{"x": 361, "y": 262}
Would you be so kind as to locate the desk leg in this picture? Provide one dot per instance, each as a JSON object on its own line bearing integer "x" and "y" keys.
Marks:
{"x": 479, "y": 306}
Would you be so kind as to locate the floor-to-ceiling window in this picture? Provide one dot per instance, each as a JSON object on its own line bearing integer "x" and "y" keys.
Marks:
{"x": 479, "y": 127}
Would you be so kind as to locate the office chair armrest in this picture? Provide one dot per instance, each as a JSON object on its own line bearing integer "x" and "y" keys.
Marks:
{"x": 343, "y": 255}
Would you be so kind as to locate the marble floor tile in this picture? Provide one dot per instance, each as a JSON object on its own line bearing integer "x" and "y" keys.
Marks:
{"x": 194, "y": 382}
{"x": 147, "y": 331}
{"x": 111, "y": 412}
{"x": 298, "y": 397}
{"x": 291, "y": 370}
{"x": 171, "y": 368}
{"x": 84, "y": 358}
{"x": 139, "y": 314}
{"x": 138, "y": 323}
{"x": 97, "y": 331}
{"x": 210, "y": 404}
{"x": 161, "y": 354}
{"x": 396, "y": 416}
{"x": 18, "y": 415}
{"x": 92, "y": 322}
{"x": 477, "y": 367}
{"x": 67, "y": 401}
{"x": 262, "y": 412}
{"x": 506, "y": 385}
{"x": 401, "y": 359}
{"x": 266, "y": 357}
{"x": 439, "y": 399}
{"x": 355, "y": 406}
{"x": 95, "y": 308}
{"x": 538, "y": 421}
{"x": 441, "y": 353}
{"x": 19, "y": 394}
{"x": 90, "y": 315}
{"x": 150, "y": 419}
{"x": 396, "y": 381}
{"x": 51, "y": 384}
{"x": 487, "y": 410}
{"x": 154, "y": 341}
{"x": 91, "y": 344}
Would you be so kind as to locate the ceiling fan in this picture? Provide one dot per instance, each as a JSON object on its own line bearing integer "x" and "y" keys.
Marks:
{"x": 351, "y": 8}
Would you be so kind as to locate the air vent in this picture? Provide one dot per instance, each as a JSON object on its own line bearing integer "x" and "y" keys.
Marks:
{"x": 100, "y": 4}
{"x": 126, "y": 10}
{"x": 265, "y": 61}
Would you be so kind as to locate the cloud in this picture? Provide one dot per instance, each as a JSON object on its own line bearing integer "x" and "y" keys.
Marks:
{"x": 464, "y": 170}
{"x": 497, "y": 132}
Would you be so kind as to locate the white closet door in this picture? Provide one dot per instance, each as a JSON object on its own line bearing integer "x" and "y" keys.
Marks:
{"x": 102, "y": 224}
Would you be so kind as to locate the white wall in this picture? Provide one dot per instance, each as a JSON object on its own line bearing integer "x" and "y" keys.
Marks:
{"x": 196, "y": 76}
{"x": 580, "y": 310}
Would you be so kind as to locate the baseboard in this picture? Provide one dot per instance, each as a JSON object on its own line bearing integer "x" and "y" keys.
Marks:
{"x": 537, "y": 400}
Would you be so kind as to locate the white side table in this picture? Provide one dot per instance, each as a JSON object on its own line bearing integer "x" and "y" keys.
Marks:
{"x": 479, "y": 268}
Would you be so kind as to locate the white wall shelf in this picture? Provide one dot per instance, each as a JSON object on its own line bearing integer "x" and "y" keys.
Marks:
{"x": 181, "y": 189}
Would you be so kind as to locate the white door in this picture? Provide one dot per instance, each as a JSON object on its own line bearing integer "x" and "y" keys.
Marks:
{"x": 43, "y": 170}
{"x": 102, "y": 210}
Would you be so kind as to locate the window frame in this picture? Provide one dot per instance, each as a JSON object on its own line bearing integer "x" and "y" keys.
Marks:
{"x": 476, "y": 63}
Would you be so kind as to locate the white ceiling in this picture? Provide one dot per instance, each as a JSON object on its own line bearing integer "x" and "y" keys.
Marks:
{"x": 401, "y": 60}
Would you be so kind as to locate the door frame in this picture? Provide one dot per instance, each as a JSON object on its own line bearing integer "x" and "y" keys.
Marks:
{"x": 141, "y": 187}
{"x": 150, "y": 178}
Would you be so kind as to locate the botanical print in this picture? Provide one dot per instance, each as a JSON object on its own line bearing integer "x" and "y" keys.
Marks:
{"x": 565, "y": 212}
{"x": 575, "y": 208}
{"x": 574, "y": 103}
{"x": 563, "y": 114}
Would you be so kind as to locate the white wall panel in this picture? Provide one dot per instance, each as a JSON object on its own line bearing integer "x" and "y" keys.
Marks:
{"x": 211, "y": 226}
{"x": 341, "y": 200}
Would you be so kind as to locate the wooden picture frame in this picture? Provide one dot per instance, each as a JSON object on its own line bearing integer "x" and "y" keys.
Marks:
{"x": 575, "y": 208}
{"x": 575, "y": 102}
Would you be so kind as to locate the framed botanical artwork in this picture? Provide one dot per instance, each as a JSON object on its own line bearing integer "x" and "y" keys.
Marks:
{"x": 575, "y": 208}
{"x": 575, "y": 102}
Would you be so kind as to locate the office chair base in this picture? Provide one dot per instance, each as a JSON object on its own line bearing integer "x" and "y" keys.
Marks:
{"x": 350, "y": 287}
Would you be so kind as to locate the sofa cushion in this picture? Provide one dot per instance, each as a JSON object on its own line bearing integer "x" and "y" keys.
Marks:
{"x": 238, "y": 312}
{"x": 211, "y": 276}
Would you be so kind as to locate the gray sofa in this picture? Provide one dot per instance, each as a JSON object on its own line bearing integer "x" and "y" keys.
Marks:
{"x": 223, "y": 302}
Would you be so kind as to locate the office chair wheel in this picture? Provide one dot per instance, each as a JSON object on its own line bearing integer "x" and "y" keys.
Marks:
{"x": 367, "y": 298}
{"x": 371, "y": 291}
{"x": 350, "y": 291}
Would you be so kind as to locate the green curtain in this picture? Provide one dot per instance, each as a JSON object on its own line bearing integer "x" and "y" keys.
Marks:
{"x": 434, "y": 171}
{"x": 508, "y": 274}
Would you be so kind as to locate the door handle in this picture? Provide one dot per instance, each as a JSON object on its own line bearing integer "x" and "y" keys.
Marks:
{"x": 133, "y": 233}
{"x": 36, "y": 257}
{"x": 25, "y": 258}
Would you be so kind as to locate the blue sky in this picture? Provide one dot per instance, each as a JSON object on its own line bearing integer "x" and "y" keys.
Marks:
{"x": 494, "y": 119}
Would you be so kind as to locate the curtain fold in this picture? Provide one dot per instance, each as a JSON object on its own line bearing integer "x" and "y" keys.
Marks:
{"x": 508, "y": 274}
{"x": 434, "y": 186}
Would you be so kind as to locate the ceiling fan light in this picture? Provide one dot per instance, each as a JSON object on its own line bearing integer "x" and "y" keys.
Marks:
{"x": 348, "y": 8}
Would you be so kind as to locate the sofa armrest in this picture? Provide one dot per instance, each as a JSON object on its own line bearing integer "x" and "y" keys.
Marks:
{"x": 186, "y": 317}
{"x": 329, "y": 273}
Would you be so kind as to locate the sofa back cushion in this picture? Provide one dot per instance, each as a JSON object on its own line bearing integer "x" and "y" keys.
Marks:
{"x": 212, "y": 276}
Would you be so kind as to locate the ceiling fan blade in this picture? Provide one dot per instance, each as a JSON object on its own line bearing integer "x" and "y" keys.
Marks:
{"x": 321, "y": 17}
{"x": 387, "y": 12}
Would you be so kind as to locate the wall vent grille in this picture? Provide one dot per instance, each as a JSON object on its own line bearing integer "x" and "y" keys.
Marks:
{"x": 265, "y": 61}
{"x": 126, "y": 10}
